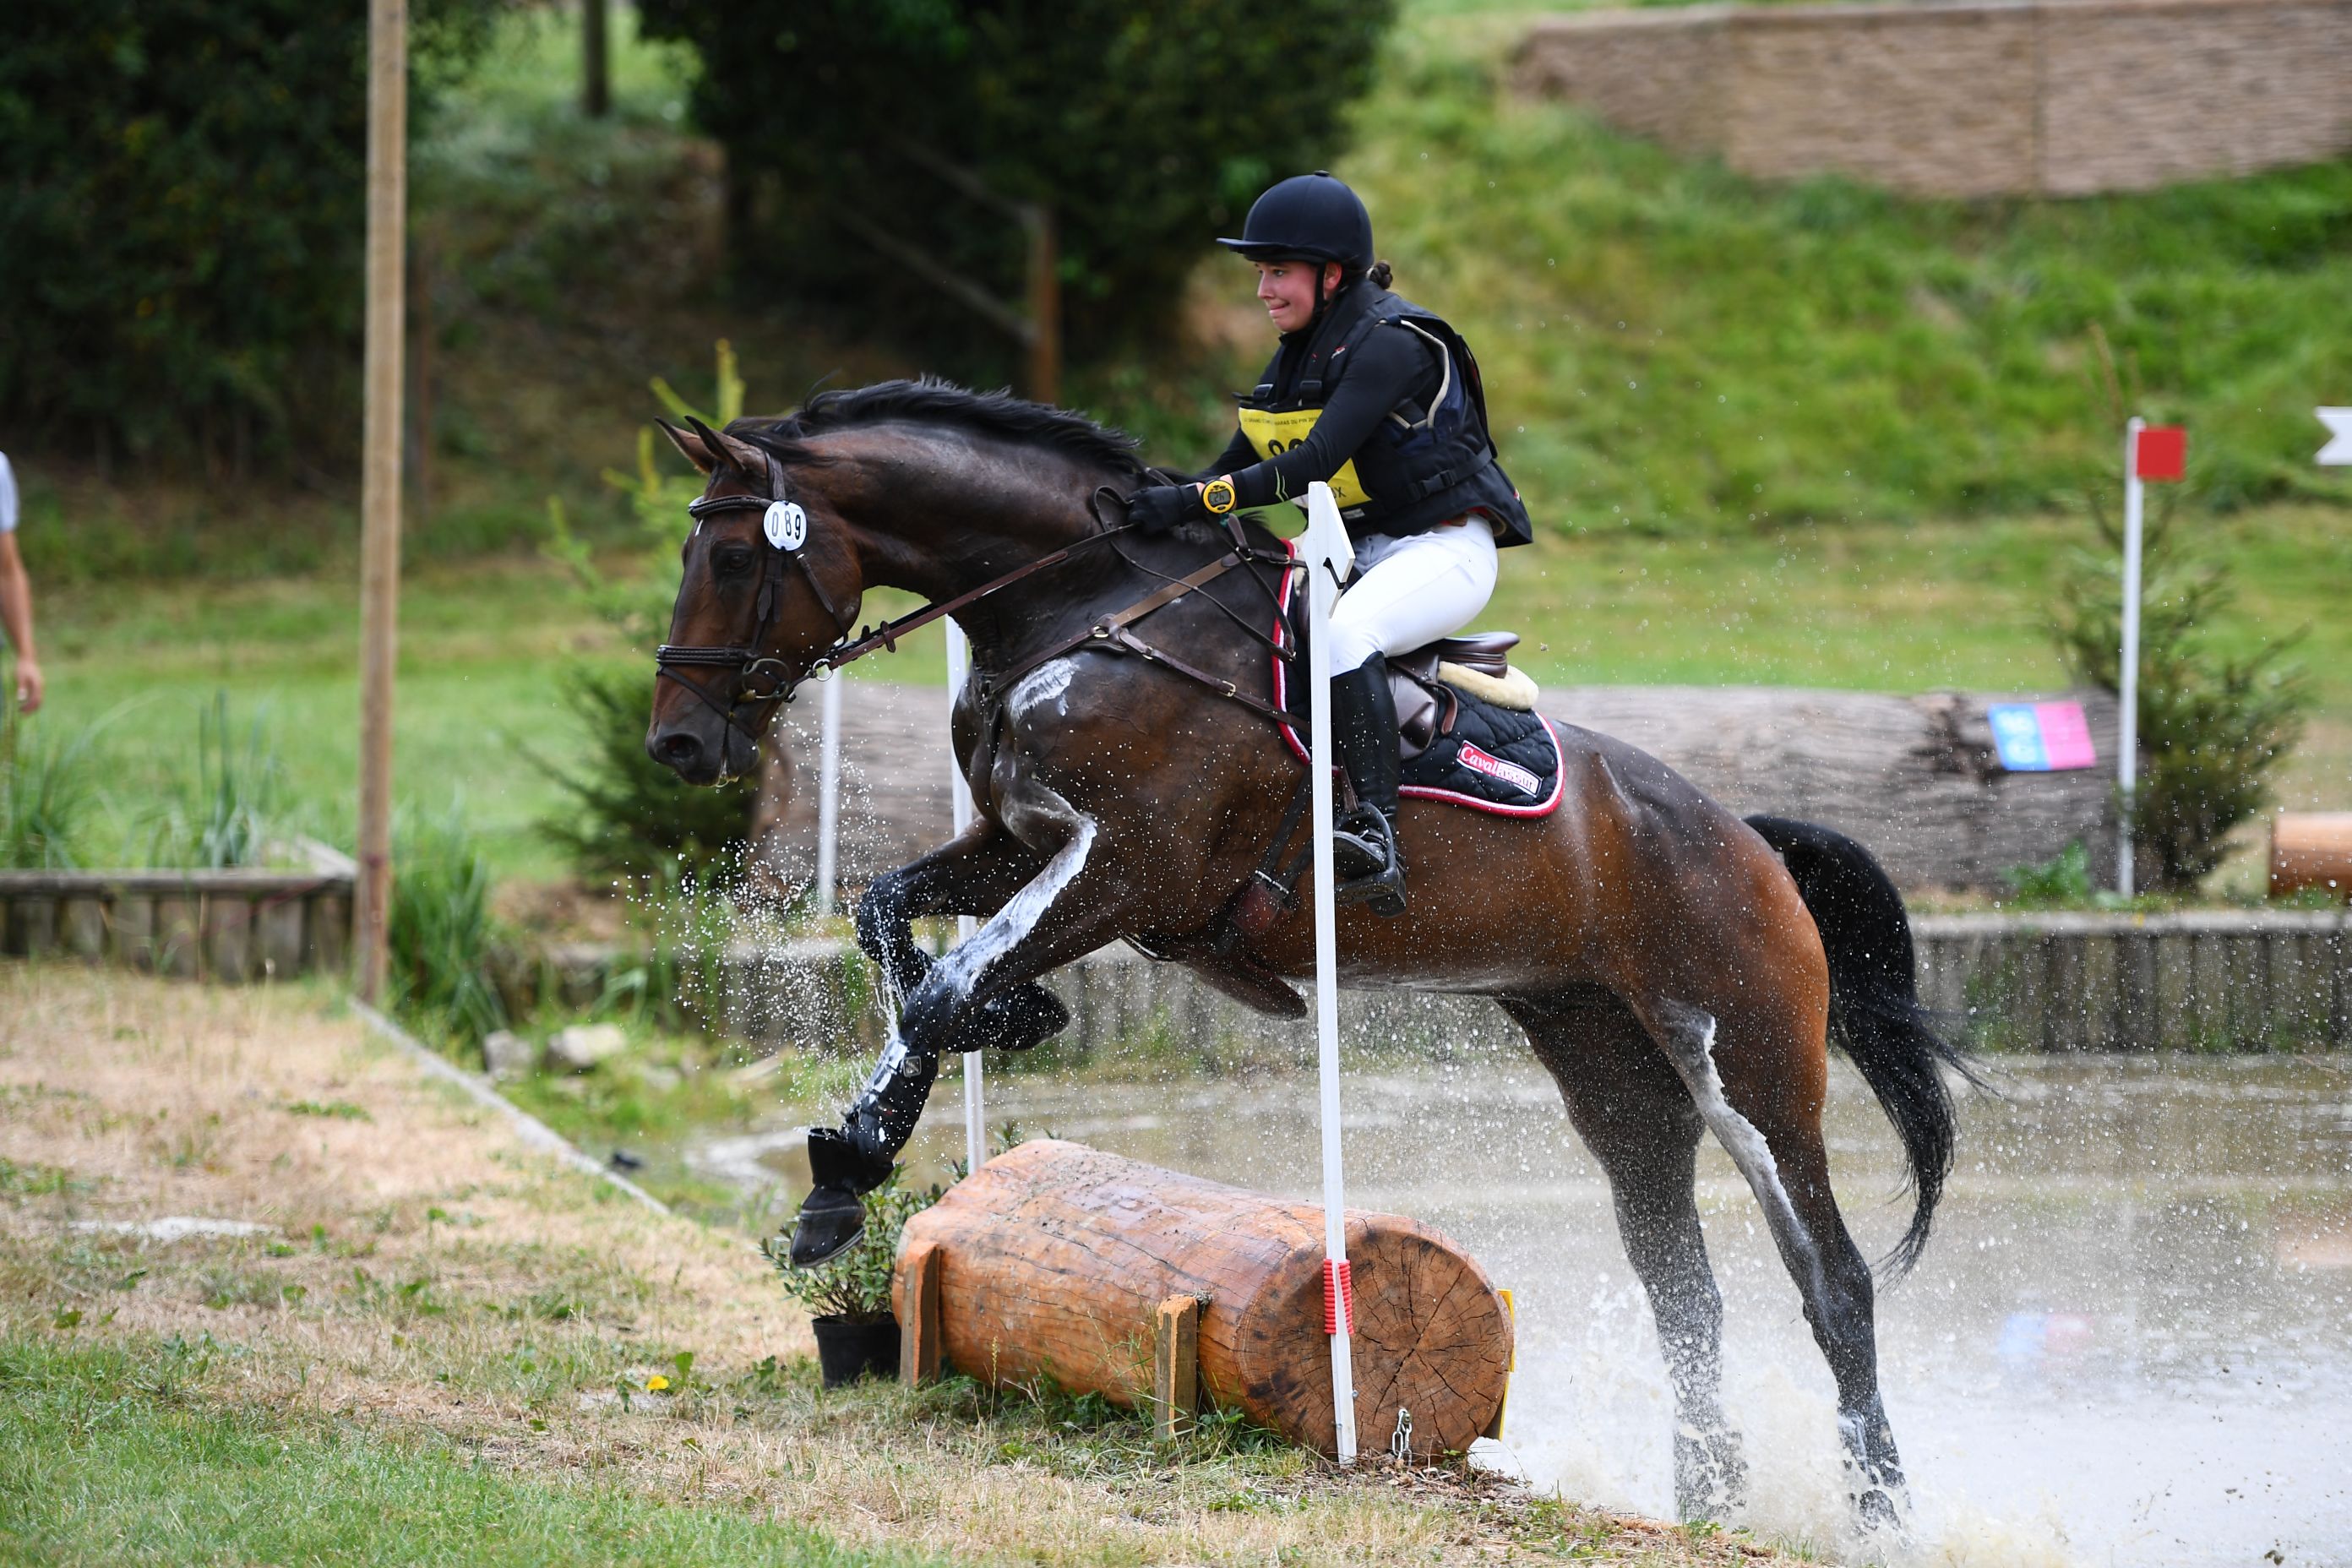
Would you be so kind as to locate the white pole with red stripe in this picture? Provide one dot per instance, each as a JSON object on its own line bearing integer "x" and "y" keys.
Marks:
{"x": 2158, "y": 453}
{"x": 1328, "y": 556}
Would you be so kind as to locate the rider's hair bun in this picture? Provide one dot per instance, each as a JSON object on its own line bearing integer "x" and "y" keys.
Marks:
{"x": 1378, "y": 274}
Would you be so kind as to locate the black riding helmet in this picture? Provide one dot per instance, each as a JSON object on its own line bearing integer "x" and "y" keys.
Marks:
{"x": 1312, "y": 215}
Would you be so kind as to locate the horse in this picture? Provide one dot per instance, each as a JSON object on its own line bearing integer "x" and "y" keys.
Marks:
{"x": 1676, "y": 970}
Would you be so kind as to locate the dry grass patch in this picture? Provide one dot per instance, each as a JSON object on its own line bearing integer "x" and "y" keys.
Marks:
{"x": 412, "y": 1271}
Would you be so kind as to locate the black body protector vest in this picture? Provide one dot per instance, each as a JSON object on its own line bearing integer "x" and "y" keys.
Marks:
{"x": 1422, "y": 466}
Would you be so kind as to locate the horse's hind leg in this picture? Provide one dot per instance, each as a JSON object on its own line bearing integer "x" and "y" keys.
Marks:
{"x": 1769, "y": 1122}
{"x": 1634, "y": 1115}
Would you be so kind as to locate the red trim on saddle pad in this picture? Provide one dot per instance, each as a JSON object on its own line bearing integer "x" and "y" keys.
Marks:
{"x": 1472, "y": 757}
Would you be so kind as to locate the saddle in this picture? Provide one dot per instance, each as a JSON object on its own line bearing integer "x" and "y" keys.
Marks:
{"x": 1428, "y": 681}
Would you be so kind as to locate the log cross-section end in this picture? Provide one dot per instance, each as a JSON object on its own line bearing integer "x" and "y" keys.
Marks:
{"x": 918, "y": 1313}
{"x": 1176, "y": 1368}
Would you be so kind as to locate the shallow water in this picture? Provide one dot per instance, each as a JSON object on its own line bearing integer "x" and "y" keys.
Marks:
{"x": 2127, "y": 1344}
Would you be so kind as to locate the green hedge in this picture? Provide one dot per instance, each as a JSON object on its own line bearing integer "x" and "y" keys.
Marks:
{"x": 1148, "y": 125}
{"x": 181, "y": 213}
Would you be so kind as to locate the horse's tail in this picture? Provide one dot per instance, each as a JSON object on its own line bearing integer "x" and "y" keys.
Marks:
{"x": 1874, "y": 1012}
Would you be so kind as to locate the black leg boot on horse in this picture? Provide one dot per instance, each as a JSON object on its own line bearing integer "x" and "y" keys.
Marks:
{"x": 855, "y": 1158}
{"x": 1365, "y": 856}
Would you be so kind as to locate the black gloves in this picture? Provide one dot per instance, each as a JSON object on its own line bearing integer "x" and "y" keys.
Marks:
{"x": 1162, "y": 506}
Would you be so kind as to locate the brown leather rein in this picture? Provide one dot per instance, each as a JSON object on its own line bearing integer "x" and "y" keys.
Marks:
{"x": 785, "y": 525}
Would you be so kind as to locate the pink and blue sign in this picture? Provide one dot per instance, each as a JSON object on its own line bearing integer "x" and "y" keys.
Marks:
{"x": 2042, "y": 737}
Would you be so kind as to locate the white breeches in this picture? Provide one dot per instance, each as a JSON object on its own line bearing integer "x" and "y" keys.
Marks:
{"x": 1409, "y": 592}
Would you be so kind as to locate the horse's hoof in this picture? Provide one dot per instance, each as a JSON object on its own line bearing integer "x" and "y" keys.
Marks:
{"x": 1014, "y": 1020}
{"x": 831, "y": 1222}
{"x": 1710, "y": 1478}
{"x": 1880, "y": 1511}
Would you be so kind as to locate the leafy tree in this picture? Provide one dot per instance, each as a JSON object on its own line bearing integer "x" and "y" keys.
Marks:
{"x": 181, "y": 212}
{"x": 1148, "y": 126}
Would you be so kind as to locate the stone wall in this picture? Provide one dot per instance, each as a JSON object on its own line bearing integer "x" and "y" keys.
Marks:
{"x": 2059, "y": 98}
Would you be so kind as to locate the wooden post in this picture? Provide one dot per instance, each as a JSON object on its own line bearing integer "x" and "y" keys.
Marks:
{"x": 1176, "y": 1368}
{"x": 919, "y": 1314}
{"x": 1045, "y": 335}
{"x": 387, "y": 165}
{"x": 595, "y": 59}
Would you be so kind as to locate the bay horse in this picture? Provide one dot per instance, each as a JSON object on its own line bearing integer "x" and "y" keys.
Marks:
{"x": 1677, "y": 971}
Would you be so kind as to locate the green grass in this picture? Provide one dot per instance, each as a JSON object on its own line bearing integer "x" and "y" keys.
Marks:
{"x": 119, "y": 1455}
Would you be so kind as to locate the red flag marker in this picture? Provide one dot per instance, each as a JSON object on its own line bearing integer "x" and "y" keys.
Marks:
{"x": 2163, "y": 455}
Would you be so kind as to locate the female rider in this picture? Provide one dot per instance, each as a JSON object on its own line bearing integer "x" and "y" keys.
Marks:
{"x": 1382, "y": 400}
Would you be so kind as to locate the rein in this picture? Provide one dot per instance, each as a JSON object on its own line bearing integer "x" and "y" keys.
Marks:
{"x": 785, "y": 524}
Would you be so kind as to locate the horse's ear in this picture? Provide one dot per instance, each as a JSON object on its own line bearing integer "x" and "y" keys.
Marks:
{"x": 748, "y": 461}
{"x": 689, "y": 445}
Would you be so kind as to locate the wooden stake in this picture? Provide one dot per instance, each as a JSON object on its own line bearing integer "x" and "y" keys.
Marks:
{"x": 1176, "y": 1368}
{"x": 918, "y": 1313}
{"x": 1044, "y": 336}
{"x": 387, "y": 165}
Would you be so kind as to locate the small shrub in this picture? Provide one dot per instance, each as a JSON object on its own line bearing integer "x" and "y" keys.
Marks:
{"x": 2213, "y": 727}
{"x": 222, "y": 813}
{"x": 441, "y": 936}
{"x": 2063, "y": 882}
{"x": 629, "y": 816}
{"x": 48, "y": 788}
{"x": 856, "y": 1285}
{"x": 626, "y": 815}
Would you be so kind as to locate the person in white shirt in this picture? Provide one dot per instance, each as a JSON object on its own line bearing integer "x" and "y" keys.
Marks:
{"x": 17, "y": 596}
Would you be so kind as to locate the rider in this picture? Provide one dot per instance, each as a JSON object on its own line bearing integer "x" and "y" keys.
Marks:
{"x": 1382, "y": 400}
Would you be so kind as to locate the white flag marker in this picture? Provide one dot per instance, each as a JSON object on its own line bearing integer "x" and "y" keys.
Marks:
{"x": 975, "y": 1120}
{"x": 1329, "y": 557}
{"x": 2337, "y": 453}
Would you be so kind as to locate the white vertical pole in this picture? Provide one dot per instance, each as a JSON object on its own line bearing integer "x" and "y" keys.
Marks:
{"x": 1329, "y": 554}
{"x": 975, "y": 1120}
{"x": 828, "y": 795}
{"x": 2127, "y": 718}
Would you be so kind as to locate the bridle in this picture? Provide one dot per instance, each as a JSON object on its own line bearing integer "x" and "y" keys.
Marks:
{"x": 785, "y": 523}
{"x": 761, "y": 678}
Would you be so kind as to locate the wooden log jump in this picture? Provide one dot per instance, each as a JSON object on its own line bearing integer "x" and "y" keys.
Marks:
{"x": 1060, "y": 1261}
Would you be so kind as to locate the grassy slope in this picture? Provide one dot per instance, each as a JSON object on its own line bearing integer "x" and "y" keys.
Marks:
{"x": 1859, "y": 358}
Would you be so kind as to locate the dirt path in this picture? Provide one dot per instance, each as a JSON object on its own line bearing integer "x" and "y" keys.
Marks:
{"x": 245, "y": 1169}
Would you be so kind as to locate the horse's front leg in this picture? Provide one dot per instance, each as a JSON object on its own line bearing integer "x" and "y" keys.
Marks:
{"x": 984, "y": 988}
{"x": 973, "y": 874}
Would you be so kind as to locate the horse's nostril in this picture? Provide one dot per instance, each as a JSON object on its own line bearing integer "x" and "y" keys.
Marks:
{"x": 677, "y": 748}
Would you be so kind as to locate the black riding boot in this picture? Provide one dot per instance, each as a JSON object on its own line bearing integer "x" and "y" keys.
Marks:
{"x": 1364, "y": 842}
{"x": 856, "y": 1157}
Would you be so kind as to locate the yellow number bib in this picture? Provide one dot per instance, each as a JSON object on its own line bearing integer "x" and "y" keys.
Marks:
{"x": 1273, "y": 433}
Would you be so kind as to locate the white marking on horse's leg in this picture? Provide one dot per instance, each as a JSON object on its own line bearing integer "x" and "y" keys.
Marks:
{"x": 1049, "y": 682}
{"x": 1688, "y": 1036}
{"x": 963, "y": 968}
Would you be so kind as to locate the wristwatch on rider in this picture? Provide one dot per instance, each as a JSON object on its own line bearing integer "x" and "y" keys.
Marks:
{"x": 1219, "y": 496}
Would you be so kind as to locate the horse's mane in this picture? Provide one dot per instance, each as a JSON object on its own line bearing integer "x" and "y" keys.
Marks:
{"x": 929, "y": 400}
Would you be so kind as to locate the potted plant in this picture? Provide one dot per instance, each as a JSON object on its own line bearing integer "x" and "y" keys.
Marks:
{"x": 848, "y": 1299}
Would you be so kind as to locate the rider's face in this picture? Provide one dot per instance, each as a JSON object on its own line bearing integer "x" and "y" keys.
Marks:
{"x": 1287, "y": 290}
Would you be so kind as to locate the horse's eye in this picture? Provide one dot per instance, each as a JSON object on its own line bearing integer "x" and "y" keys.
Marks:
{"x": 734, "y": 562}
